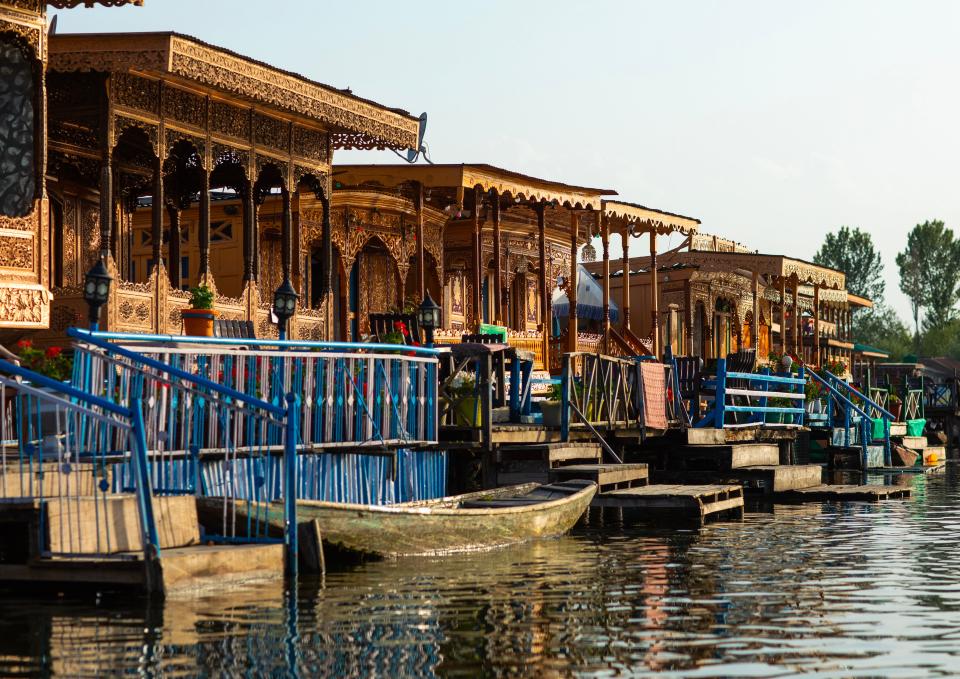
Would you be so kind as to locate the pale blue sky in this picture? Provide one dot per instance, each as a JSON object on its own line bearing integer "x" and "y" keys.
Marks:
{"x": 772, "y": 122}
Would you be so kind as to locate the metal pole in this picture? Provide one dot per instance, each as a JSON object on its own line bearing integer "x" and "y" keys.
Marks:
{"x": 292, "y": 433}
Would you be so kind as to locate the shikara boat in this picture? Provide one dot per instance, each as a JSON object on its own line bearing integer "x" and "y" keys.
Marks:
{"x": 474, "y": 521}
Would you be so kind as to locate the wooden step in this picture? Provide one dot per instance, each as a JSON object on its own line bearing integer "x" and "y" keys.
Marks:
{"x": 555, "y": 454}
{"x": 682, "y": 501}
{"x": 844, "y": 493}
{"x": 709, "y": 436}
{"x": 914, "y": 442}
{"x": 724, "y": 457}
{"x": 608, "y": 477}
{"x": 761, "y": 478}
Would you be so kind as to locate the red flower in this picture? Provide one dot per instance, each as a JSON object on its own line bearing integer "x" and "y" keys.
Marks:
{"x": 24, "y": 344}
{"x": 53, "y": 352}
{"x": 401, "y": 327}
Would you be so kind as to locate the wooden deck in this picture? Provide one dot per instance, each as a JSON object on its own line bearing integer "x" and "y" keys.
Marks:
{"x": 844, "y": 493}
{"x": 760, "y": 478}
{"x": 608, "y": 477}
{"x": 677, "y": 501}
{"x": 708, "y": 436}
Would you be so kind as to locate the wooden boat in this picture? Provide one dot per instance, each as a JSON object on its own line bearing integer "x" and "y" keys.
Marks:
{"x": 480, "y": 520}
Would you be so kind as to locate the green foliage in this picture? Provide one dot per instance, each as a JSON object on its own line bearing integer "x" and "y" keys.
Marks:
{"x": 51, "y": 362}
{"x": 201, "y": 297}
{"x": 880, "y": 327}
{"x": 930, "y": 274}
{"x": 394, "y": 337}
{"x": 852, "y": 251}
{"x": 556, "y": 392}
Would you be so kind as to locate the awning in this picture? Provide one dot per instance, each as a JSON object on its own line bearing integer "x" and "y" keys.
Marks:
{"x": 589, "y": 299}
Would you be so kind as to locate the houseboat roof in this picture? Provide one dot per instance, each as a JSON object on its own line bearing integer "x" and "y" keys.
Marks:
{"x": 475, "y": 175}
{"x": 648, "y": 219}
{"x": 353, "y": 121}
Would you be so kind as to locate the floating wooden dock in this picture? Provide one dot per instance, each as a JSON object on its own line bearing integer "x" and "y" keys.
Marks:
{"x": 844, "y": 493}
{"x": 608, "y": 477}
{"x": 684, "y": 502}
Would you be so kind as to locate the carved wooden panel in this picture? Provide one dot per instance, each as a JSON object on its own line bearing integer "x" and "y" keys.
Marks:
{"x": 271, "y": 132}
{"x": 230, "y": 120}
{"x": 136, "y": 92}
{"x": 17, "y": 169}
{"x": 16, "y": 251}
{"x": 312, "y": 144}
{"x": 185, "y": 106}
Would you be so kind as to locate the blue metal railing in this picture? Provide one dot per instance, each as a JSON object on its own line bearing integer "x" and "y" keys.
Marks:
{"x": 759, "y": 387}
{"x": 65, "y": 442}
{"x": 838, "y": 388}
{"x": 188, "y": 413}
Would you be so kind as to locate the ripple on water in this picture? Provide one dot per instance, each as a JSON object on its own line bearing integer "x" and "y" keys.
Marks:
{"x": 851, "y": 590}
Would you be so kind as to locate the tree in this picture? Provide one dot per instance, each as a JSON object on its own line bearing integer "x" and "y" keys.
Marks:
{"x": 881, "y": 327}
{"x": 852, "y": 251}
{"x": 930, "y": 273}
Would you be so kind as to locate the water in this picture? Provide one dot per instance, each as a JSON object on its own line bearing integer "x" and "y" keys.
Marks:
{"x": 849, "y": 590}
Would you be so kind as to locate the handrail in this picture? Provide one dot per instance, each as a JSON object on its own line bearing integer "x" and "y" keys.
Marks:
{"x": 596, "y": 434}
{"x": 883, "y": 411}
{"x": 864, "y": 419}
{"x": 717, "y": 415}
{"x": 97, "y": 341}
{"x": 255, "y": 342}
{"x": 836, "y": 392}
{"x": 44, "y": 381}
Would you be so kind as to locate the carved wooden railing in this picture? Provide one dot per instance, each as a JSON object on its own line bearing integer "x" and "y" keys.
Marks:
{"x": 628, "y": 343}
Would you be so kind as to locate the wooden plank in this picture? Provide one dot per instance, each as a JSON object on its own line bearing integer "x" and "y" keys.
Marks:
{"x": 844, "y": 493}
{"x": 602, "y": 474}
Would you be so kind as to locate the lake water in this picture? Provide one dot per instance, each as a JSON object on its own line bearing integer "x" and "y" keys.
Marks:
{"x": 851, "y": 590}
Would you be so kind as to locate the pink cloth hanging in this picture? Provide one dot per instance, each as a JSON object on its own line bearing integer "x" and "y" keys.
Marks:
{"x": 654, "y": 395}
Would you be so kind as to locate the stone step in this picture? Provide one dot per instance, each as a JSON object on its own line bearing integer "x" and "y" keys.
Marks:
{"x": 939, "y": 451}
{"x": 915, "y": 442}
{"x": 607, "y": 476}
{"x": 731, "y": 456}
{"x": 898, "y": 429}
{"x": 760, "y": 478}
{"x": 709, "y": 436}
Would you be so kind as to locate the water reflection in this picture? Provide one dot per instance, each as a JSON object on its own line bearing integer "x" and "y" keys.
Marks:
{"x": 844, "y": 590}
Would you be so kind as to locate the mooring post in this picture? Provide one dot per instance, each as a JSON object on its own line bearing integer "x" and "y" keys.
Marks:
{"x": 292, "y": 434}
{"x": 721, "y": 395}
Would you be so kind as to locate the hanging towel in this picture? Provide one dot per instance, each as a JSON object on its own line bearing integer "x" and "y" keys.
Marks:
{"x": 654, "y": 395}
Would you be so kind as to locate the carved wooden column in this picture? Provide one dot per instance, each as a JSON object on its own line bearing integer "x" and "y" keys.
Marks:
{"x": 795, "y": 331}
{"x": 783, "y": 315}
{"x": 175, "y": 267}
{"x": 605, "y": 243}
{"x": 625, "y": 300}
{"x": 654, "y": 295}
{"x": 249, "y": 209}
{"x": 497, "y": 263}
{"x": 157, "y": 212}
{"x": 816, "y": 323}
{"x": 477, "y": 252}
{"x": 203, "y": 232}
{"x": 688, "y": 318}
{"x": 546, "y": 321}
{"x": 572, "y": 329}
{"x": 106, "y": 202}
{"x": 755, "y": 339}
{"x": 286, "y": 252}
{"x": 421, "y": 269}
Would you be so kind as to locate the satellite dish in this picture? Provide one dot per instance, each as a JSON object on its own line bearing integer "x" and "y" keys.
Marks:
{"x": 413, "y": 154}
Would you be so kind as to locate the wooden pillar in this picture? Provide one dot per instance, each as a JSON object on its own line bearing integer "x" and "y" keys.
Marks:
{"x": 546, "y": 320}
{"x": 157, "y": 212}
{"x": 756, "y": 313}
{"x": 795, "y": 331}
{"x": 783, "y": 315}
{"x": 176, "y": 280}
{"x": 106, "y": 201}
{"x": 572, "y": 330}
{"x": 816, "y": 324}
{"x": 605, "y": 243}
{"x": 654, "y": 295}
{"x": 250, "y": 249}
{"x": 286, "y": 235}
{"x": 688, "y": 318}
{"x": 203, "y": 231}
{"x": 625, "y": 298}
{"x": 497, "y": 291}
{"x": 421, "y": 269}
{"x": 477, "y": 257}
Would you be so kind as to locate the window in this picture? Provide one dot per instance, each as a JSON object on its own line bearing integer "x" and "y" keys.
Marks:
{"x": 221, "y": 232}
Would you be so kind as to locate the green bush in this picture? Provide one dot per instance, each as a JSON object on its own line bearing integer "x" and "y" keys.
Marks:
{"x": 201, "y": 297}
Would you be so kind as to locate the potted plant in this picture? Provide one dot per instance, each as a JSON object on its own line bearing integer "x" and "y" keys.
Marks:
{"x": 895, "y": 406}
{"x": 812, "y": 392}
{"x": 198, "y": 319}
{"x": 467, "y": 407}
{"x": 50, "y": 362}
{"x": 550, "y": 407}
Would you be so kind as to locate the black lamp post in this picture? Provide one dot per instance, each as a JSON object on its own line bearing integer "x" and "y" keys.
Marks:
{"x": 429, "y": 317}
{"x": 96, "y": 291}
{"x": 284, "y": 306}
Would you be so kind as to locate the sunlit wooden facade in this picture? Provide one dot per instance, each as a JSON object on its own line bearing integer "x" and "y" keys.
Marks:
{"x": 25, "y": 253}
{"x": 167, "y": 117}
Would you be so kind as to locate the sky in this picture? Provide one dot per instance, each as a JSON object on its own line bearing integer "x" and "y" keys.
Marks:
{"x": 773, "y": 123}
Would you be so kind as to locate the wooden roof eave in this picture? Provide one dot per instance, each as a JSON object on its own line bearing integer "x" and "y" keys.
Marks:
{"x": 776, "y": 266}
{"x": 642, "y": 219}
{"x": 522, "y": 188}
{"x": 353, "y": 121}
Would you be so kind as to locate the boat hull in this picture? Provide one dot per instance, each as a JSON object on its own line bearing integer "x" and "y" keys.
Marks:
{"x": 422, "y": 528}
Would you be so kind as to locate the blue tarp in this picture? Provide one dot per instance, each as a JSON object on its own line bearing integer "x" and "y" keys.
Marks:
{"x": 589, "y": 299}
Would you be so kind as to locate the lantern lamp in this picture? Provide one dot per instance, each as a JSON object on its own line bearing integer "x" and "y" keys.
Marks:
{"x": 786, "y": 362}
{"x": 429, "y": 317}
{"x": 284, "y": 305}
{"x": 96, "y": 291}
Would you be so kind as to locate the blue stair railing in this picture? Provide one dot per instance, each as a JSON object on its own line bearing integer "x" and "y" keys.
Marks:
{"x": 755, "y": 390}
{"x": 871, "y": 409}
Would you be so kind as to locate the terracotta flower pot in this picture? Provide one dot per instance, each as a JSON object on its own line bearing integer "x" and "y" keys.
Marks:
{"x": 198, "y": 322}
